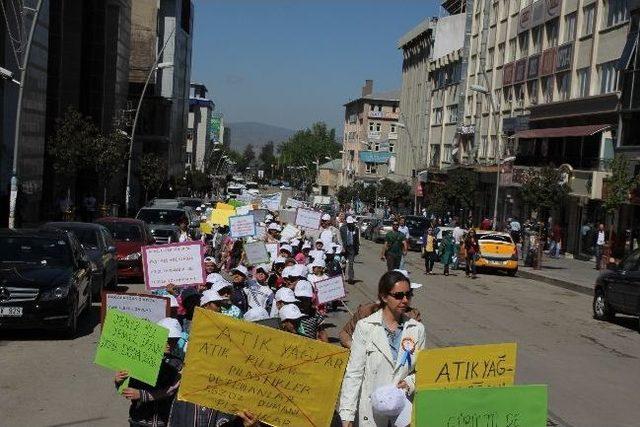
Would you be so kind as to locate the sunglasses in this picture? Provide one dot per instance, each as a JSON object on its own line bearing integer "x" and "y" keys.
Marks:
{"x": 401, "y": 295}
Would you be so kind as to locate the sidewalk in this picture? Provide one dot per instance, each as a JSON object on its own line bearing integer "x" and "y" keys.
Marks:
{"x": 579, "y": 276}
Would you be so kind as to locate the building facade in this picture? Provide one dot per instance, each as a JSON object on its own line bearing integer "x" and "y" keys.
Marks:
{"x": 328, "y": 179}
{"x": 370, "y": 136}
{"x": 199, "y": 138}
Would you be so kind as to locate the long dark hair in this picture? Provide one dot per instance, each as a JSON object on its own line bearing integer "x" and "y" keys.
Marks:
{"x": 387, "y": 282}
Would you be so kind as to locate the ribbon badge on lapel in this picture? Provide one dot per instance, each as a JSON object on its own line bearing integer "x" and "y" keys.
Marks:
{"x": 408, "y": 347}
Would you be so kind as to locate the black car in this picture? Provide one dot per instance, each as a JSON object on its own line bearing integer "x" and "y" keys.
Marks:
{"x": 617, "y": 290}
{"x": 101, "y": 250}
{"x": 45, "y": 280}
{"x": 418, "y": 226}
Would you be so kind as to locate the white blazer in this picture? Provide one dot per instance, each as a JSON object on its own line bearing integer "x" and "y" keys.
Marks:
{"x": 371, "y": 365}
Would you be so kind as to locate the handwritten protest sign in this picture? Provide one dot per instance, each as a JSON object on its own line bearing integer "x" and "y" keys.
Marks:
{"x": 271, "y": 201}
{"x": 261, "y": 232}
{"x": 273, "y": 249}
{"x": 131, "y": 344}
{"x": 256, "y": 253}
{"x": 243, "y": 210}
{"x": 149, "y": 307}
{"x": 467, "y": 366}
{"x": 221, "y": 216}
{"x": 308, "y": 218}
{"x": 225, "y": 206}
{"x": 497, "y": 406}
{"x": 259, "y": 214}
{"x": 293, "y": 203}
{"x": 177, "y": 263}
{"x": 287, "y": 216}
{"x": 233, "y": 365}
{"x": 330, "y": 289}
{"x": 242, "y": 226}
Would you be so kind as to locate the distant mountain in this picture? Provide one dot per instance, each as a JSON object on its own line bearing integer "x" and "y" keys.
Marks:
{"x": 256, "y": 134}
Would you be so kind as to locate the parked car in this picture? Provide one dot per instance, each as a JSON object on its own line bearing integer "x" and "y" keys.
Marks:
{"x": 380, "y": 230}
{"x": 617, "y": 289}
{"x": 166, "y": 203}
{"x": 101, "y": 250}
{"x": 497, "y": 252}
{"x": 163, "y": 223}
{"x": 130, "y": 235}
{"x": 417, "y": 228}
{"x": 45, "y": 280}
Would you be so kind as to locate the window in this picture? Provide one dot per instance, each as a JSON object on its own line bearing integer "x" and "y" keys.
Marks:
{"x": 616, "y": 12}
{"x": 372, "y": 107}
{"x": 394, "y": 109}
{"x": 392, "y": 147}
{"x": 437, "y": 116}
{"x": 512, "y": 50}
{"x": 371, "y": 127}
{"x": 452, "y": 114}
{"x": 551, "y": 28}
{"x": 536, "y": 39}
{"x": 569, "y": 27}
{"x": 588, "y": 14}
{"x": 504, "y": 10}
{"x": 506, "y": 94}
{"x": 523, "y": 44}
{"x": 582, "y": 88}
{"x": 376, "y": 146}
{"x": 564, "y": 86}
{"x": 608, "y": 77}
{"x": 378, "y": 127}
{"x": 497, "y": 95}
{"x": 371, "y": 168}
{"x": 532, "y": 92}
{"x": 500, "y": 54}
{"x": 393, "y": 128}
{"x": 518, "y": 94}
{"x": 483, "y": 146}
{"x": 547, "y": 89}
{"x": 490, "y": 53}
{"x": 473, "y": 64}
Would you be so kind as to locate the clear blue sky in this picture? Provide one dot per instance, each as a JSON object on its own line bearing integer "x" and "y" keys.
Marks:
{"x": 293, "y": 62}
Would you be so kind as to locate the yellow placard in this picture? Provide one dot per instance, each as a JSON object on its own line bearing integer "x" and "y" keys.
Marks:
{"x": 206, "y": 228}
{"x": 491, "y": 365}
{"x": 225, "y": 206}
{"x": 221, "y": 216}
{"x": 282, "y": 378}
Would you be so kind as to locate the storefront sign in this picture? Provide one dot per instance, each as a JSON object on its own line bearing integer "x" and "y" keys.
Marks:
{"x": 563, "y": 59}
{"x": 533, "y": 67}
{"x": 521, "y": 68}
{"x": 548, "y": 62}
{"x": 507, "y": 74}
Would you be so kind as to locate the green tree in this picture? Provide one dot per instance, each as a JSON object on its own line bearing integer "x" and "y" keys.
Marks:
{"x": 151, "y": 173}
{"x": 395, "y": 193}
{"x": 108, "y": 155}
{"x": 543, "y": 189}
{"x": 248, "y": 155}
{"x": 344, "y": 194}
{"x": 620, "y": 185}
{"x": 459, "y": 190}
{"x": 267, "y": 156}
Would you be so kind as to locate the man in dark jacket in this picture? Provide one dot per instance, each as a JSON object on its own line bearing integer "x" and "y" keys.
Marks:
{"x": 350, "y": 235}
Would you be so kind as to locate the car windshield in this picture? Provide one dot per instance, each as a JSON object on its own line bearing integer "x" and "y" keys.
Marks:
{"x": 123, "y": 232}
{"x": 87, "y": 237}
{"x": 496, "y": 237}
{"x": 161, "y": 216}
{"x": 34, "y": 250}
{"x": 417, "y": 223}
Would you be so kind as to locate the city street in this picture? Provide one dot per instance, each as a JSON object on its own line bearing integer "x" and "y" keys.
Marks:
{"x": 592, "y": 368}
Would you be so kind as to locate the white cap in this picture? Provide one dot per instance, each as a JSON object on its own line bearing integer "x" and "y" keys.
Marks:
{"x": 209, "y": 259}
{"x": 210, "y": 295}
{"x": 203, "y": 218}
{"x": 285, "y": 295}
{"x": 287, "y": 248}
{"x": 337, "y": 249}
{"x": 303, "y": 269}
{"x": 290, "y": 312}
{"x": 280, "y": 260}
{"x": 198, "y": 208}
{"x": 264, "y": 267}
{"x": 175, "y": 330}
{"x": 306, "y": 245}
{"x": 214, "y": 277}
{"x": 256, "y": 313}
{"x": 326, "y": 217}
{"x": 220, "y": 285}
{"x": 273, "y": 226}
{"x": 320, "y": 241}
{"x": 304, "y": 289}
{"x": 318, "y": 263}
{"x": 295, "y": 242}
{"x": 389, "y": 400}
{"x": 329, "y": 250}
{"x": 350, "y": 220}
{"x": 173, "y": 302}
{"x": 268, "y": 217}
{"x": 283, "y": 241}
{"x": 241, "y": 269}
{"x": 297, "y": 270}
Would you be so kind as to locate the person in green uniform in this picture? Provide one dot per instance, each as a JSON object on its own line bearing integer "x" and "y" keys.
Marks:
{"x": 447, "y": 249}
{"x": 395, "y": 246}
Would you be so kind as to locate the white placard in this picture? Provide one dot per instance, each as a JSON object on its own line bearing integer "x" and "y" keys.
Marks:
{"x": 293, "y": 203}
{"x": 330, "y": 289}
{"x": 289, "y": 232}
{"x": 308, "y": 218}
{"x": 287, "y": 216}
{"x": 261, "y": 232}
{"x": 271, "y": 201}
{"x": 177, "y": 263}
{"x": 256, "y": 253}
{"x": 243, "y": 210}
{"x": 273, "y": 249}
{"x": 242, "y": 226}
{"x": 150, "y": 307}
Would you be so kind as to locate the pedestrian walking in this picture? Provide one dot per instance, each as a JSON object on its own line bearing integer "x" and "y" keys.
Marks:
{"x": 382, "y": 353}
{"x": 351, "y": 238}
{"x": 404, "y": 230}
{"x": 472, "y": 250}
{"x": 600, "y": 241}
{"x": 458, "y": 238}
{"x": 447, "y": 250}
{"x": 395, "y": 246}
{"x": 429, "y": 250}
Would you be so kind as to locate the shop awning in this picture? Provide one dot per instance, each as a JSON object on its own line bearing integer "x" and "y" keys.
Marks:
{"x": 375, "y": 156}
{"x": 560, "y": 132}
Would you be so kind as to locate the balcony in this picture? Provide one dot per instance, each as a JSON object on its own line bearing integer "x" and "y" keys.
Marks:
{"x": 583, "y": 183}
{"x": 385, "y": 115}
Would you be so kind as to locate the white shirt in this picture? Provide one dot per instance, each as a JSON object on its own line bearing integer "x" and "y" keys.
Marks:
{"x": 458, "y": 233}
{"x": 600, "y": 241}
{"x": 404, "y": 230}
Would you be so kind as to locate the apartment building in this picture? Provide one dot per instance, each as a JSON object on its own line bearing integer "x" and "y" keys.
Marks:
{"x": 199, "y": 128}
{"x": 370, "y": 136}
{"x": 548, "y": 95}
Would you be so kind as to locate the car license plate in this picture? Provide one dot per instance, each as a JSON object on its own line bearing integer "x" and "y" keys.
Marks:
{"x": 496, "y": 262}
{"x": 10, "y": 311}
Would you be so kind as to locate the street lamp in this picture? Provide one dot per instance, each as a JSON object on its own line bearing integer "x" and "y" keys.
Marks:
{"x": 498, "y": 150}
{"x": 8, "y": 75}
{"x": 156, "y": 66}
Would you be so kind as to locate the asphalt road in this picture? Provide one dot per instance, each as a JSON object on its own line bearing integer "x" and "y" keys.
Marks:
{"x": 592, "y": 368}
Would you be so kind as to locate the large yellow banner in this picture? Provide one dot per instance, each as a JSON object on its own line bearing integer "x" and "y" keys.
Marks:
{"x": 225, "y": 206}
{"x": 221, "y": 216}
{"x": 491, "y": 365}
{"x": 284, "y": 379}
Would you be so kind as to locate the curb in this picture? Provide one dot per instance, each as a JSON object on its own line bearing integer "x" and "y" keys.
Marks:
{"x": 556, "y": 282}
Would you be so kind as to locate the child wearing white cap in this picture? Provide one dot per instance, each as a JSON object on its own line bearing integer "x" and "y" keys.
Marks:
{"x": 311, "y": 325}
{"x": 290, "y": 316}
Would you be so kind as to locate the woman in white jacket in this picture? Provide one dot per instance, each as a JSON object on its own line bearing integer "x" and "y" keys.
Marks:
{"x": 383, "y": 352}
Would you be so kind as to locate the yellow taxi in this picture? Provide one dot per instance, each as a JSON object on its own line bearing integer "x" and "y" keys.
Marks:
{"x": 497, "y": 252}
